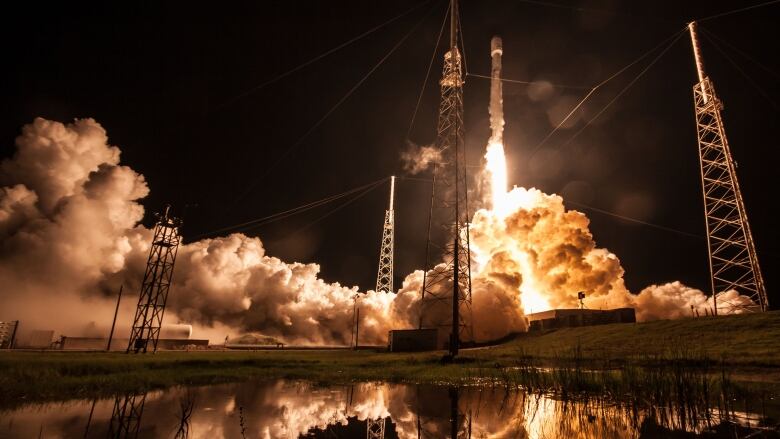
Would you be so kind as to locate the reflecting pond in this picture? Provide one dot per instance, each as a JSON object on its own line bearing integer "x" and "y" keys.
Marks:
{"x": 293, "y": 409}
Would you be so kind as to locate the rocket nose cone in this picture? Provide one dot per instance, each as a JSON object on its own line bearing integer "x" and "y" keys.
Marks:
{"x": 496, "y": 45}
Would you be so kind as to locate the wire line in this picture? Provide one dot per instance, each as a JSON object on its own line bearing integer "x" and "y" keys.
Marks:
{"x": 290, "y": 212}
{"x": 349, "y": 93}
{"x": 746, "y": 8}
{"x": 317, "y": 58}
{"x": 741, "y": 52}
{"x": 599, "y": 85}
{"x": 633, "y": 220}
{"x": 518, "y": 81}
{"x": 336, "y": 209}
{"x": 752, "y": 82}
{"x": 428, "y": 73}
{"x": 625, "y": 89}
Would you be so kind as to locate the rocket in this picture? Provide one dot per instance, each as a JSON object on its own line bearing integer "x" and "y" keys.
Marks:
{"x": 496, "y": 94}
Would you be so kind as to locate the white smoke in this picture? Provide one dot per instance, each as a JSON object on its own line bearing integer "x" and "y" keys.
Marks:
{"x": 70, "y": 234}
{"x": 418, "y": 158}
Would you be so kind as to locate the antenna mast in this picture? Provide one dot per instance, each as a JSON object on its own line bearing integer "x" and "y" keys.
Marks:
{"x": 732, "y": 253}
{"x": 448, "y": 282}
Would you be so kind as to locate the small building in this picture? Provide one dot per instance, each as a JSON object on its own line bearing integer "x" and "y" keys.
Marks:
{"x": 412, "y": 340}
{"x": 569, "y": 318}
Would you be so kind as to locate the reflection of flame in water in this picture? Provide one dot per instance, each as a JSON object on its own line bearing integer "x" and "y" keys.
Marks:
{"x": 291, "y": 409}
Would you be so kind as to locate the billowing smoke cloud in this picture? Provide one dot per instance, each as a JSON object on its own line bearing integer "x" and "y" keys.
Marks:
{"x": 70, "y": 234}
{"x": 418, "y": 158}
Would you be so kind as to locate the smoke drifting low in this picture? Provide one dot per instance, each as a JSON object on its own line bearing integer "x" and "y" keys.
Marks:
{"x": 70, "y": 235}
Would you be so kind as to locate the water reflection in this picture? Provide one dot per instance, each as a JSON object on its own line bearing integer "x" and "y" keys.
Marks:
{"x": 285, "y": 409}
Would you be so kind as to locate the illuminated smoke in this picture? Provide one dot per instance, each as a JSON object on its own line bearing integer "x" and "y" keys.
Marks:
{"x": 70, "y": 234}
{"x": 416, "y": 159}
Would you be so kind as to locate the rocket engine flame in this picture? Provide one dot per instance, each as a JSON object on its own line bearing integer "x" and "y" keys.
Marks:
{"x": 495, "y": 165}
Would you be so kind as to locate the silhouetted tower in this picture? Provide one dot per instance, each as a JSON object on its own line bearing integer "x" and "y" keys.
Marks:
{"x": 375, "y": 428}
{"x": 384, "y": 277}
{"x": 448, "y": 282}
{"x": 732, "y": 252}
{"x": 126, "y": 416}
{"x": 156, "y": 284}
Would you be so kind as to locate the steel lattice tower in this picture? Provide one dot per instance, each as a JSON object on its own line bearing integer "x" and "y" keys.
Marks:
{"x": 384, "y": 277}
{"x": 126, "y": 416}
{"x": 375, "y": 428}
{"x": 156, "y": 284}
{"x": 449, "y": 281}
{"x": 732, "y": 252}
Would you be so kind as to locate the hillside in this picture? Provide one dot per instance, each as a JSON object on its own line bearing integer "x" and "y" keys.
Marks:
{"x": 744, "y": 340}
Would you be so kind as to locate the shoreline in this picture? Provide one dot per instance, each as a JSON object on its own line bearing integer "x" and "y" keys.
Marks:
{"x": 738, "y": 351}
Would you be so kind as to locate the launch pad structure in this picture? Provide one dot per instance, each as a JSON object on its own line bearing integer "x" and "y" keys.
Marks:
{"x": 156, "y": 284}
{"x": 733, "y": 259}
{"x": 448, "y": 280}
{"x": 384, "y": 276}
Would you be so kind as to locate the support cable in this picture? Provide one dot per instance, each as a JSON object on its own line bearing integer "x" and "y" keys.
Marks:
{"x": 462, "y": 42}
{"x": 318, "y": 57}
{"x": 337, "y": 208}
{"x": 634, "y": 220}
{"x": 603, "y": 211}
{"x": 734, "y": 11}
{"x": 518, "y": 81}
{"x": 246, "y": 225}
{"x": 596, "y": 209}
{"x": 752, "y": 82}
{"x": 428, "y": 72}
{"x": 625, "y": 89}
{"x": 602, "y": 83}
{"x": 349, "y": 93}
{"x": 643, "y": 17}
{"x": 741, "y": 52}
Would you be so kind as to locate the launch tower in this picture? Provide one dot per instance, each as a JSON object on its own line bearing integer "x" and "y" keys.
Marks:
{"x": 156, "y": 284}
{"x": 732, "y": 252}
{"x": 447, "y": 281}
{"x": 384, "y": 277}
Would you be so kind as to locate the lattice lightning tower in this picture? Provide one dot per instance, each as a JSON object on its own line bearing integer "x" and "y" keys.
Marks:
{"x": 126, "y": 416}
{"x": 732, "y": 252}
{"x": 156, "y": 284}
{"x": 375, "y": 428}
{"x": 448, "y": 282}
{"x": 384, "y": 277}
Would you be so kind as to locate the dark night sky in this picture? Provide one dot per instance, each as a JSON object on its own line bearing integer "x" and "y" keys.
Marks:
{"x": 161, "y": 79}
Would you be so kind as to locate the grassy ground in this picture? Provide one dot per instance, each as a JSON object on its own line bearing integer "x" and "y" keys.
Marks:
{"x": 747, "y": 347}
{"x": 741, "y": 341}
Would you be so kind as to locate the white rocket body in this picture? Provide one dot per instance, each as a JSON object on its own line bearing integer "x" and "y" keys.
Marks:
{"x": 496, "y": 92}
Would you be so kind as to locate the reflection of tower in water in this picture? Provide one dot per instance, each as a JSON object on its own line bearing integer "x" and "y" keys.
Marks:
{"x": 126, "y": 416}
{"x": 439, "y": 419}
